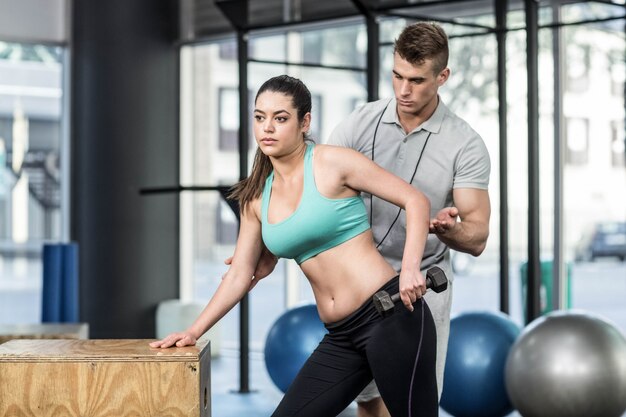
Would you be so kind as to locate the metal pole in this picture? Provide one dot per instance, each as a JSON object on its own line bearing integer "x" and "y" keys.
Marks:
{"x": 373, "y": 57}
{"x": 533, "y": 307}
{"x": 236, "y": 11}
{"x": 557, "y": 262}
{"x": 501, "y": 7}
{"x": 244, "y": 313}
{"x": 373, "y": 48}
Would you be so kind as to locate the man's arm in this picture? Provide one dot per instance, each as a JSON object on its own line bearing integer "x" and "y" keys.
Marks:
{"x": 469, "y": 233}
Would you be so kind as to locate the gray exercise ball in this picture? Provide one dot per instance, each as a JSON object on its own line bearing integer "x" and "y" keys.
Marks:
{"x": 568, "y": 364}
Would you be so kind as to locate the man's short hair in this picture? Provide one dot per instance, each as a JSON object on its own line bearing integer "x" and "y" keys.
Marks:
{"x": 421, "y": 41}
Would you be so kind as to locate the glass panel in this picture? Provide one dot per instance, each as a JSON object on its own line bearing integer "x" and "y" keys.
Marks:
{"x": 471, "y": 93}
{"x": 516, "y": 18}
{"x": 589, "y": 10}
{"x": 343, "y": 45}
{"x": 595, "y": 174}
{"x": 30, "y": 172}
{"x": 390, "y": 29}
{"x": 209, "y": 156}
{"x": 517, "y": 163}
{"x": 517, "y": 92}
{"x": 271, "y": 48}
{"x": 340, "y": 46}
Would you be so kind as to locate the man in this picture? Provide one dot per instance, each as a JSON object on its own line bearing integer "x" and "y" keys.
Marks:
{"x": 415, "y": 136}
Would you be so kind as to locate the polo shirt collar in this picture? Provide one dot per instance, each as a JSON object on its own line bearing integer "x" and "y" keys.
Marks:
{"x": 433, "y": 124}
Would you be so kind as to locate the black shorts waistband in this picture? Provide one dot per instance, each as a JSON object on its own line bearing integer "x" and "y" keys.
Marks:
{"x": 365, "y": 311}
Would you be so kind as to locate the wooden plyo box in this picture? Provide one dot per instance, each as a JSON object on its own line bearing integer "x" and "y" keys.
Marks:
{"x": 97, "y": 378}
{"x": 44, "y": 331}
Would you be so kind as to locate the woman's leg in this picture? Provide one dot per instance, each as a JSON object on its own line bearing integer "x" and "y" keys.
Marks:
{"x": 402, "y": 353}
{"x": 327, "y": 383}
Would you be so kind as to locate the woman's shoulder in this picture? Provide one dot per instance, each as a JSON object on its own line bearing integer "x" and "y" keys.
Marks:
{"x": 253, "y": 209}
{"x": 334, "y": 152}
{"x": 331, "y": 158}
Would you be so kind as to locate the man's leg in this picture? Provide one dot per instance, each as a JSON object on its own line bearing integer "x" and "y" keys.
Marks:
{"x": 369, "y": 403}
{"x": 440, "y": 305}
{"x": 372, "y": 408}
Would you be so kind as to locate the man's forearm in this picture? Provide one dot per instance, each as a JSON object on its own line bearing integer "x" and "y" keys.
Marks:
{"x": 466, "y": 236}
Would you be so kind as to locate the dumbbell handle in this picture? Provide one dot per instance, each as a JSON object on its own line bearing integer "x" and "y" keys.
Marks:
{"x": 429, "y": 285}
{"x": 435, "y": 280}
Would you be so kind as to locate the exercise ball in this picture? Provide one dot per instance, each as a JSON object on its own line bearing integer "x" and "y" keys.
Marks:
{"x": 568, "y": 364}
{"x": 290, "y": 341}
{"x": 474, "y": 374}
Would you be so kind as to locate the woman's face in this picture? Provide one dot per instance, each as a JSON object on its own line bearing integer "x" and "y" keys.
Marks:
{"x": 277, "y": 129}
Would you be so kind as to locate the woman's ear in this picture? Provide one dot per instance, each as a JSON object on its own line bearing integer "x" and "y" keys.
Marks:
{"x": 306, "y": 122}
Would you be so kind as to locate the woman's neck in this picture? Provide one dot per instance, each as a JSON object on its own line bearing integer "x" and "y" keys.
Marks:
{"x": 290, "y": 165}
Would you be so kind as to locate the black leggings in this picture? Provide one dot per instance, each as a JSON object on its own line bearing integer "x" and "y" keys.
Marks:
{"x": 399, "y": 352}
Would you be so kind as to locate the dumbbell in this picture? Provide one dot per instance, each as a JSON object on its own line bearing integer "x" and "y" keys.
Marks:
{"x": 436, "y": 280}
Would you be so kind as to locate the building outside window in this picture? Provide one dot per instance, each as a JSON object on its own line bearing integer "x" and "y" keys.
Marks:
{"x": 31, "y": 126}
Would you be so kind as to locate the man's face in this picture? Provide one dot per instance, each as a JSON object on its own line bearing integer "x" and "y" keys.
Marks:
{"x": 416, "y": 86}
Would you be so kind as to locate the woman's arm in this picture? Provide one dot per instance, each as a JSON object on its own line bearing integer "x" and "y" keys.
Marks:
{"x": 265, "y": 266}
{"x": 234, "y": 285}
{"x": 360, "y": 173}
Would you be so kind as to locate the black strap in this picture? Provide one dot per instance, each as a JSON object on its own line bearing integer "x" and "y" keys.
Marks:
{"x": 399, "y": 209}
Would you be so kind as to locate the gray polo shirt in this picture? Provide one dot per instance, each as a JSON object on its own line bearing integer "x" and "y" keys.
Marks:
{"x": 453, "y": 156}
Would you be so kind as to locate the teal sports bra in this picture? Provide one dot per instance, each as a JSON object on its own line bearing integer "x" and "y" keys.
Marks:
{"x": 318, "y": 223}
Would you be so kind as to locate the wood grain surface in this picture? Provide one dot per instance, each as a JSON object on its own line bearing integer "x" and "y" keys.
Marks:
{"x": 96, "y": 349}
{"x": 88, "y": 383}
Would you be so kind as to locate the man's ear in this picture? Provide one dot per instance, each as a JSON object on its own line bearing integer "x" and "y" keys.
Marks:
{"x": 442, "y": 77}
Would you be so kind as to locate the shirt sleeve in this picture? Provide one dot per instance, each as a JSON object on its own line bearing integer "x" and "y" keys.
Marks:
{"x": 473, "y": 166}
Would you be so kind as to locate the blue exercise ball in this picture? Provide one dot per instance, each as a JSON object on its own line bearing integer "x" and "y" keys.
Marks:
{"x": 290, "y": 341}
{"x": 474, "y": 374}
{"x": 568, "y": 364}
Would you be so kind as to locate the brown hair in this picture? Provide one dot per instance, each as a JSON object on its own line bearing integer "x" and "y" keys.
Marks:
{"x": 421, "y": 41}
{"x": 250, "y": 188}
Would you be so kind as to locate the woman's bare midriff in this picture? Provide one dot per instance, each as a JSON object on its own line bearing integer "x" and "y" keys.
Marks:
{"x": 346, "y": 276}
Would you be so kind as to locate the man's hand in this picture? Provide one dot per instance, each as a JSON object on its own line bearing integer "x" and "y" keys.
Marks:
{"x": 444, "y": 221}
{"x": 265, "y": 266}
{"x": 465, "y": 226}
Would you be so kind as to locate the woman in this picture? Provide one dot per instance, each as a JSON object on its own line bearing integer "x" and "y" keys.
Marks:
{"x": 302, "y": 201}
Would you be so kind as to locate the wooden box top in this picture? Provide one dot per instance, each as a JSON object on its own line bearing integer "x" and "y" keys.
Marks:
{"x": 101, "y": 350}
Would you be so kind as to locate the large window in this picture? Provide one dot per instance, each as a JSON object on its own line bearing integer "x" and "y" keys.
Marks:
{"x": 591, "y": 145}
{"x": 594, "y": 200}
{"x": 31, "y": 180}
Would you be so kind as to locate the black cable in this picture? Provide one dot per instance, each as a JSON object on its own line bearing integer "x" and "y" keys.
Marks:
{"x": 373, "y": 145}
{"x": 410, "y": 182}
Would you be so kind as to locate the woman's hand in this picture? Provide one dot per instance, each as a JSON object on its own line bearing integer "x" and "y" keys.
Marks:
{"x": 175, "y": 339}
{"x": 412, "y": 287}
